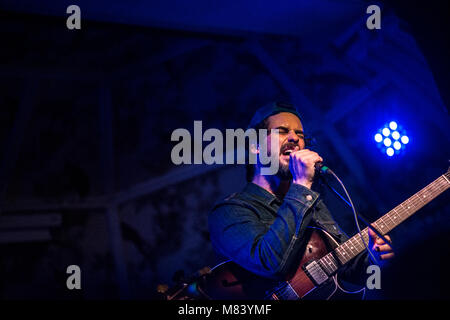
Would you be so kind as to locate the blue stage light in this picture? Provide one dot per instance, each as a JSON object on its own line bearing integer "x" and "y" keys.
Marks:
{"x": 395, "y": 135}
{"x": 390, "y": 152}
{"x": 405, "y": 139}
{"x": 393, "y": 125}
{"x": 378, "y": 137}
{"x": 391, "y": 139}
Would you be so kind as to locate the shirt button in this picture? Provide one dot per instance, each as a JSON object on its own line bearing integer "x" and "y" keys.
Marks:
{"x": 309, "y": 197}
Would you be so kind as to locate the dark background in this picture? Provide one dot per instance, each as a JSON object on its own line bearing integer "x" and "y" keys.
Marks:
{"x": 86, "y": 118}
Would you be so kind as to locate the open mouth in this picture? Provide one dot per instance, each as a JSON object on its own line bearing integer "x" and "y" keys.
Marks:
{"x": 289, "y": 150}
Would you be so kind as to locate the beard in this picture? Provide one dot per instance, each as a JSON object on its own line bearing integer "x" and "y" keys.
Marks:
{"x": 283, "y": 172}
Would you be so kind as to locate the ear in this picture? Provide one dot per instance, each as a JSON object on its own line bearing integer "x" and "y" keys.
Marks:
{"x": 254, "y": 148}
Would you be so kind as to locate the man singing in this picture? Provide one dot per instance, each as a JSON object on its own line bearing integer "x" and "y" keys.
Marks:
{"x": 263, "y": 228}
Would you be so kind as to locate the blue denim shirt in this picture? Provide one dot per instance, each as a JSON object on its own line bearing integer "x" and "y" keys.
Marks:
{"x": 265, "y": 235}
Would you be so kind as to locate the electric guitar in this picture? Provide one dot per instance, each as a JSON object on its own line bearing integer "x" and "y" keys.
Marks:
{"x": 317, "y": 268}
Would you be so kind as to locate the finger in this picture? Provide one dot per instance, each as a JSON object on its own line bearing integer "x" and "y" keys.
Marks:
{"x": 372, "y": 234}
{"x": 386, "y": 237}
{"x": 381, "y": 241}
{"x": 383, "y": 248}
{"x": 387, "y": 256}
{"x": 308, "y": 159}
{"x": 306, "y": 153}
{"x": 317, "y": 159}
{"x": 303, "y": 151}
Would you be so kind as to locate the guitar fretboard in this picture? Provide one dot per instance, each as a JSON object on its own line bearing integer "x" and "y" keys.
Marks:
{"x": 354, "y": 246}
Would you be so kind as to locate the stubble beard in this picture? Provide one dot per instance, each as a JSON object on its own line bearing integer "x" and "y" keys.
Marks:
{"x": 283, "y": 172}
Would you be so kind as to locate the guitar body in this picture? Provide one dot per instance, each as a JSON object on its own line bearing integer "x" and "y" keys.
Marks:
{"x": 229, "y": 281}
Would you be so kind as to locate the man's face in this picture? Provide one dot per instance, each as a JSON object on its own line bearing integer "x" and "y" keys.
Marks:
{"x": 291, "y": 138}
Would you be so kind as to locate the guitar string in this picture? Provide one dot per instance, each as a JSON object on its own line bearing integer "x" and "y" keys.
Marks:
{"x": 433, "y": 189}
{"x": 416, "y": 203}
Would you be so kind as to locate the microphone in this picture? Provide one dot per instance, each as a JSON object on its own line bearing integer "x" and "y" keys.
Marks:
{"x": 321, "y": 168}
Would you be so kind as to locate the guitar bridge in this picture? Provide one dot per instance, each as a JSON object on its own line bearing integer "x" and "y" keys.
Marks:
{"x": 315, "y": 272}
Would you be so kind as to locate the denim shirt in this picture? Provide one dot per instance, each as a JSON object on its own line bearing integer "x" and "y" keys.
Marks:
{"x": 265, "y": 235}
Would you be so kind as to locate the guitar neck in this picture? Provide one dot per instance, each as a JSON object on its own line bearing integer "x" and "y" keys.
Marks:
{"x": 354, "y": 246}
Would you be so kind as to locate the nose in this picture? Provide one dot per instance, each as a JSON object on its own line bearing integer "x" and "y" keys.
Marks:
{"x": 292, "y": 136}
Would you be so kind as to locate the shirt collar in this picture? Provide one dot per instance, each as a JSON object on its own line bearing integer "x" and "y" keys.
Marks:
{"x": 261, "y": 194}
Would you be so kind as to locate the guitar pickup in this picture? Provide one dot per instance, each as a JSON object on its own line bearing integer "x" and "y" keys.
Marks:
{"x": 315, "y": 272}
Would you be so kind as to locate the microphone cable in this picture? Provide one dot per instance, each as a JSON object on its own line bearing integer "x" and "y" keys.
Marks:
{"x": 324, "y": 169}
